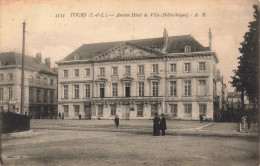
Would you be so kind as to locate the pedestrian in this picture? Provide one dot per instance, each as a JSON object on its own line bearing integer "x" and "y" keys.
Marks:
{"x": 116, "y": 120}
{"x": 62, "y": 116}
{"x": 244, "y": 121}
{"x": 163, "y": 126}
{"x": 59, "y": 115}
{"x": 201, "y": 118}
{"x": 156, "y": 125}
{"x": 79, "y": 116}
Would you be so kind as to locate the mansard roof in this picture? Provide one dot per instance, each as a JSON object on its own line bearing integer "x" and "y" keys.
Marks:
{"x": 15, "y": 59}
{"x": 176, "y": 44}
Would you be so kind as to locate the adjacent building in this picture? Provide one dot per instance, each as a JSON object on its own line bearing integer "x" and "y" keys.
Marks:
{"x": 174, "y": 75}
{"x": 40, "y": 85}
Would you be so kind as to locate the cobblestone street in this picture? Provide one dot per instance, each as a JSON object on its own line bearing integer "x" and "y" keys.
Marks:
{"x": 82, "y": 142}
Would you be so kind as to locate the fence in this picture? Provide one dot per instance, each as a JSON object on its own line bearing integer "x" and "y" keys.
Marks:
{"x": 11, "y": 122}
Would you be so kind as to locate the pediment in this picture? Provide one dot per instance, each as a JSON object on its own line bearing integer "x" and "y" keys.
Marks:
{"x": 128, "y": 50}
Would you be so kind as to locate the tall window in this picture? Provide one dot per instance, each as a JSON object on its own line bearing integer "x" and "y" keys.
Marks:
{"x": 187, "y": 67}
{"x": 38, "y": 95}
{"x": 127, "y": 89}
{"x": 141, "y": 69}
{"x": 155, "y": 68}
{"x": 187, "y": 88}
{"x": 65, "y": 73}
{"x": 114, "y": 89}
{"x": 45, "y": 96}
{"x": 173, "y": 68}
{"x": 45, "y": 80}
{"x": 10, "y": 89}
{"x": 76, "y": 110}
{"x": 173, "y": 88}
{"x": 141, "y": 88}
{"x": 113, "y": 109}
{"x": 102, "y": 90}
{"x": 65, "y": 91}
{"x": 76, "y": 91}
{"x": 202, "y": 88}
{"x": 87, "y": 90}
{"x": 66, "y": 110}
{"x": 114, "y": 70}
{"x": 102, "y": 71}
{"x": 202, "y": 66}
{"x": 128, "y": 70}
{"x": 51, "y": 81}
{"x": 10, "y": 76}
{"x": 187, "y": 110}
{"x": 155, "y": 88}
{"x": 1, "y": 77}
{"x": 203, "y": 109}
{"x": 174, "y": 110}
{"x": 30, "y": 78}
{"x": 100, "y": 110}
{"x": 140, "y": 110}
{"x": 87, "y": 72}
{"x": 76, "y": 72}
{"x": 31, "y": 96}
{"x": 51, "y": 96}
{"x": 1, "y": 93}
{"x": 153, "y": 109}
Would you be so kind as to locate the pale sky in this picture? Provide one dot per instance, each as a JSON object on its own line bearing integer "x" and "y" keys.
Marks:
{"x": 57, "y": 37}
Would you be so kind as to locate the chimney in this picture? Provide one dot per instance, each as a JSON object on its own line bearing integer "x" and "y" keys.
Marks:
{"x": 39, "y": 57}
{"x": 210, "y": 40}
{"x": 48, "y": 62}
{"x": 165, "y": 40}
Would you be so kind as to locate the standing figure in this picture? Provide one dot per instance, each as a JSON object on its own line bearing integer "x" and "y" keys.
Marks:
{"x": 59, "y": 115}
{"x": 163, "y": 125}
{"x": 156, "y": 125}
{"x": 62, "y": 116}
{"x": 116, "y": 120}
{"x": 201, "y": 118}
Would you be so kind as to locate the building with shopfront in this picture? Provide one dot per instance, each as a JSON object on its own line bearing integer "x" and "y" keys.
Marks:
{"x": 40, "y": 85}
{"x": 174, "y": 75}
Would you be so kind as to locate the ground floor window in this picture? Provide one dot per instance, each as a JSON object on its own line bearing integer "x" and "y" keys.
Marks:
{"x": 153, "y": 109}
{"x": 66, "y": 110}
{"x": 188, "y": 110}
{"x": 140, "y": 110}
{"x": 100, "y": 110}
{"x": 1, "y": 108}
{"x": 174, "y": 111}
{"x": 203, "y": 109}
{"x": 76, "y": 110}
{"x": 113, "y": 109}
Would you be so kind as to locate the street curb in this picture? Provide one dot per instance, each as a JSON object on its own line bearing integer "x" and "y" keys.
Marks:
{"x": 15, "y": 134}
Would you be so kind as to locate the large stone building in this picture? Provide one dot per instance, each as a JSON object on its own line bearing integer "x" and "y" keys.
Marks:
{"x": 173, "y": 75}
{"x": 40, "y": 85}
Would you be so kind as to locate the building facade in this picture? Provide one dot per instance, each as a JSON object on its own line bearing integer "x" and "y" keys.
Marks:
{"x": 40, "y": 85}
{"x": 172, "y": 75}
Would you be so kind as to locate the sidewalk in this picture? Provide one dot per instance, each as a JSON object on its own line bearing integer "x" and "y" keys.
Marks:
{"x": 191, "y": 128}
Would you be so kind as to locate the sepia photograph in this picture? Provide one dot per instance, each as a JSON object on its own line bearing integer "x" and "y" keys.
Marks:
{"x": 122, "y": 83}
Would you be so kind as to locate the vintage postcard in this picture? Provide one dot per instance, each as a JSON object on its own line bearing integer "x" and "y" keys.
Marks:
{"x": 119, "y": 82}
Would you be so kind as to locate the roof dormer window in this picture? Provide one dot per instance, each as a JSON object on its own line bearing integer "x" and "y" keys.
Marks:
{"x": 187, "y": 49}
{"x": 76, "y": 57}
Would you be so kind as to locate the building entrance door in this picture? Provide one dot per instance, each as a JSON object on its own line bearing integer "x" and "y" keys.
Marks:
{"x": 87, "y": 111}
{"x": 126, "y": 112}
